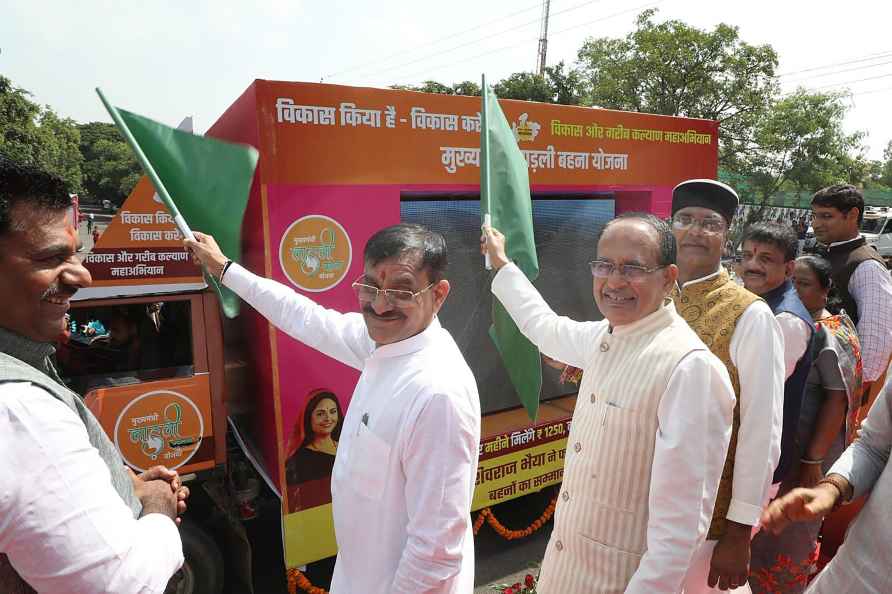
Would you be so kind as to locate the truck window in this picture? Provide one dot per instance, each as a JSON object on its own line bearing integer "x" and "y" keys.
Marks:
{"x": 125, "y": 344}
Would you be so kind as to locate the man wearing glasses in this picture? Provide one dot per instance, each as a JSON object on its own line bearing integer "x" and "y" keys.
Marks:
{"x": 404, "y": 473}
{"x": 652, "y": 420}
{"x": 742, "y": 332}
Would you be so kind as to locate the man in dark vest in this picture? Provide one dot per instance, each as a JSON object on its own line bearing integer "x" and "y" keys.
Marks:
{"x": 860, "y": 277}
{"x": 72, "y": 518}
{"x": 741, "y": 330}
{"x": 769, "y": 258}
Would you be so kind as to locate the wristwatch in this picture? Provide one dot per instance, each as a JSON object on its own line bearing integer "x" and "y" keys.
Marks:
{"x": 226, "y": 266}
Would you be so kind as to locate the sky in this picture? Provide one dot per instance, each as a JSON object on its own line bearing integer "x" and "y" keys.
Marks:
{"x": 169, "y": 59}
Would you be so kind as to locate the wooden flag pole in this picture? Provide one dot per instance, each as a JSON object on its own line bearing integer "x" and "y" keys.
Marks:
{"x": 484, "y": 146}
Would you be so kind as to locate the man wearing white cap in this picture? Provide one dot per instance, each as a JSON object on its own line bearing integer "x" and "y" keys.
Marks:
{"x": 741, "y": 330}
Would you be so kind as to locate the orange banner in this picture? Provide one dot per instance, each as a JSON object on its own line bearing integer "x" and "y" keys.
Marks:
{"x": 328, "y": 134}
{"x": 141, "y": 245}
{"x": 162, "y": 422}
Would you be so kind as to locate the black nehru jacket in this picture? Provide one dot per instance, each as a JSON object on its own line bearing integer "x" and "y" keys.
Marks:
{"x": 844, "y": 259}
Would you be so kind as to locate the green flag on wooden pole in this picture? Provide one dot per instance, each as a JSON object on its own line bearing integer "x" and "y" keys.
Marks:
{"x": 505, "y": 204}
{"x": 203, "y": 182}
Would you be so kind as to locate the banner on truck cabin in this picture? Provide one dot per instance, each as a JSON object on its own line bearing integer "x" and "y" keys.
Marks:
{"x": 140, "y": 251}
{"x": 159, "y": 422}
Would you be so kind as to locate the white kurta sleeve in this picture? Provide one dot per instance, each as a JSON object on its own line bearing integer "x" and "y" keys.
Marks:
{"x": 438, "y": 460}
{"x": 757, "y": 350}
{"x": 62, "y": 524}
{"x": 796, "y": 334}
{"x": 340, "y": 336}
{"x": 871, "y": 288}
{"x": 694, "y": 416}
{"x": 558, "y": 337}
{"x": 864, "y": 461}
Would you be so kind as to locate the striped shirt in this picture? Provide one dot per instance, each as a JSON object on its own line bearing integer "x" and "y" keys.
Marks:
{"x": 871, "y": 287}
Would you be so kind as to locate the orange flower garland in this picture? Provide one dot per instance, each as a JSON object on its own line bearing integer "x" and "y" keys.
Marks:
{"x": 481, "y": 517}
{"x": 508, "y": 534}
{"x": 297, "y": 580}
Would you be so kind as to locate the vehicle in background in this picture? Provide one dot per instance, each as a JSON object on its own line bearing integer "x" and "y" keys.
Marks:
{"x": 227, "y": 402}
{"x": 877, "y": 230}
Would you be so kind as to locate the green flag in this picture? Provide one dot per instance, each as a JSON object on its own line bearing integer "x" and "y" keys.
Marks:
{"x": 505, "y": 197}
{"x": 203, "y": 182}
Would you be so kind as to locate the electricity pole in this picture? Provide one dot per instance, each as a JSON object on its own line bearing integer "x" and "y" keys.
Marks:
{"x": 543, "y": 38}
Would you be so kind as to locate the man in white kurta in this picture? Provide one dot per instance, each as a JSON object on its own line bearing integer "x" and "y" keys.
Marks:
{"x": 404, "y": 473}
{"x": 73, "y": 519}
{"x": 651, "y": 424}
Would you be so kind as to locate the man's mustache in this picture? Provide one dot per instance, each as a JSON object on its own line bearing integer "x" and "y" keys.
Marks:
{"x": 57, "y": 289}
{"x": 390, "y": 315}
{"x": 754, "y": 272}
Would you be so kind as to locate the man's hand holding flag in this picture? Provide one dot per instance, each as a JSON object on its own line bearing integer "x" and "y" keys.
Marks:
{"x": 203, "y": 182}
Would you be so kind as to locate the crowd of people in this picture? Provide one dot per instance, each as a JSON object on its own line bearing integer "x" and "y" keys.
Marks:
{"x": 715, "y": 426}
{"x": 644, "y": 506}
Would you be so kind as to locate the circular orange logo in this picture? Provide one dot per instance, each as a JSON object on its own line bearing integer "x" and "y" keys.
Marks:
{"x": 315, "y": 253}
{"x": 159, "y": 427}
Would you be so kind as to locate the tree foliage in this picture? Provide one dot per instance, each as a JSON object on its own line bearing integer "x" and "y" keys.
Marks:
{"x": 799, "y": 144}
{"x": 559, "y": 85}
{"x": 431, "y": 86}
{"x": 768, "y": 142}
{"x": 566, "y": 84}
{"x": 525, "y": 86}
{"x": 867, "y": 173}
{"x": 885, "y": 168}
{"x": 672, "y": 68}
{"x": 468, "y": 88}
{"x": 110, "y": 169}
{"x": 18, "y": 123}
{"x": 37, "y": 136}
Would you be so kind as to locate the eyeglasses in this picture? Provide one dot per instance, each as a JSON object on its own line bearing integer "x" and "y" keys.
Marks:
{"x": 710, "y": 226}
{"x": 395, "y": 297}
{"x": 630, "y": 272}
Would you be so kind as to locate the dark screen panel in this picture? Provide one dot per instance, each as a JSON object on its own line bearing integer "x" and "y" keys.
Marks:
{"x": 565, "y": 231}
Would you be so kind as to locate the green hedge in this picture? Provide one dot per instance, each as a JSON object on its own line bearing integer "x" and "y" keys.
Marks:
{"x": 803, "y": 199}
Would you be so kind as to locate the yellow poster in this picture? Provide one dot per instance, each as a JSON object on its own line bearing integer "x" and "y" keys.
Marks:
{"x": 521, "y": 462}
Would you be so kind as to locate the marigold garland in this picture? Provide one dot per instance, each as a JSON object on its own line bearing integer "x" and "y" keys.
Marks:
{"x": 297, "y": 580}
{"x": 481, "y": 517}
{"x": 508, "y": 534}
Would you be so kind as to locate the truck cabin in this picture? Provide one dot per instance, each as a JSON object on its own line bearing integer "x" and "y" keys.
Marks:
{"x": 117, "y": 344}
